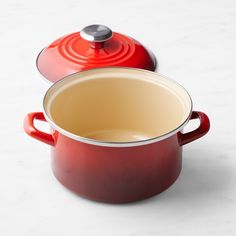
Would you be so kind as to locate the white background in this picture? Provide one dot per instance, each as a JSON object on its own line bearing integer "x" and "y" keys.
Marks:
{"x": 195, "y": 44}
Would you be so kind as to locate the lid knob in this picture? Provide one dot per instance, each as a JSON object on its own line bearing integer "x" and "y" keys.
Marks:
{"x": 96, "y": 35}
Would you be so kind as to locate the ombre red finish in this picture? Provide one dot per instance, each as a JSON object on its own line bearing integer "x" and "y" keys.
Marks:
{"x": 72, "y": 53}
{"x": 116, "y": 174}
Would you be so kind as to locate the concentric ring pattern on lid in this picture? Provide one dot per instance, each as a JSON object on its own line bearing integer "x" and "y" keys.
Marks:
{"x": 92, "y": 47}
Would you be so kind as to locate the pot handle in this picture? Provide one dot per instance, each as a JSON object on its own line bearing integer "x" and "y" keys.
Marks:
{"x": 34, "y": 132}
{"x": 199, "y": 132}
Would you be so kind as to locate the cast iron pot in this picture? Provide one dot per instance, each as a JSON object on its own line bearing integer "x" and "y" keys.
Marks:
{"x": 116, "y": 132}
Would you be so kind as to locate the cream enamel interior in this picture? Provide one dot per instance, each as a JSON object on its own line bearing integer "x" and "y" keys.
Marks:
{"x": 117, "y": 105}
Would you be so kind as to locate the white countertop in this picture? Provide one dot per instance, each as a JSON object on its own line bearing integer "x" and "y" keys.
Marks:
{"x": 195, "y": 44}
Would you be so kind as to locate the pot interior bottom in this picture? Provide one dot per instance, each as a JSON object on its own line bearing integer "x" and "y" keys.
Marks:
{"x": 116, "y": 135}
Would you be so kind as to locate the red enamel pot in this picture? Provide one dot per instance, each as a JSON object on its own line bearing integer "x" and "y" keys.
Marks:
{"x": 116, "y": 132}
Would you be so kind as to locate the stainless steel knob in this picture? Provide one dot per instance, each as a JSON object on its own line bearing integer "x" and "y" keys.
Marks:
{"x": 96, "y": 33}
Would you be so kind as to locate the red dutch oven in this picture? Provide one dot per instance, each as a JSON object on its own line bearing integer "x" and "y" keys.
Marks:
{"x": 116, "y": 132}
{"x": 94, "y": 46}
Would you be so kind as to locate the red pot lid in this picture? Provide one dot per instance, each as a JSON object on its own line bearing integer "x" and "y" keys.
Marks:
{"x": 92, "y": 47}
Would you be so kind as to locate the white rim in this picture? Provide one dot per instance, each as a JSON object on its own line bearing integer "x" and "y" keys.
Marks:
{"x": 115, "y": 144}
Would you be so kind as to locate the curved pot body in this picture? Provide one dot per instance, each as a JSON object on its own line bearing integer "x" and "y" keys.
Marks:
{"x": 115, "y": 174}
{"x": 115, "y": 158}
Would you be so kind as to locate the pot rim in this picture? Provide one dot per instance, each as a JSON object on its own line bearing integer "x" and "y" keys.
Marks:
{"x": 112, "y": 143}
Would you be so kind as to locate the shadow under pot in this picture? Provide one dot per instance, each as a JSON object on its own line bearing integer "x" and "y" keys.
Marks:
{"x": 116, "y": 132}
